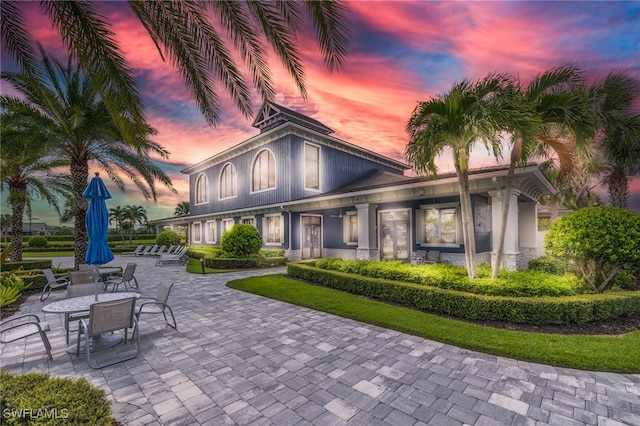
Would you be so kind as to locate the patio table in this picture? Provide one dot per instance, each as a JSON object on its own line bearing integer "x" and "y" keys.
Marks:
{"x": 74, "y": 305}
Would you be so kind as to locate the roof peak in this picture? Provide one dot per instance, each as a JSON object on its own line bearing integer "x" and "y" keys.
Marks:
{"x": 273, "y": 115}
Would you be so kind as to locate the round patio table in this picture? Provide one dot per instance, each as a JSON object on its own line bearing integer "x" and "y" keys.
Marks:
{"x": 74, "y": 305}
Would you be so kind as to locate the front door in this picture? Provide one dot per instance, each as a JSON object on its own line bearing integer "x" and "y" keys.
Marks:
{"x": 311, "y": 237}
{"x": 394, "y": 235}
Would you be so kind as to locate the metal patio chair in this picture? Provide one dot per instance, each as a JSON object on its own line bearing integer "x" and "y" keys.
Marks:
{"x": 158, "y": 305}
{"x": 23, "y": 326}
{"x": 125, "y": 278}
{"x": 52, "y": 283}
{"x": 106, "y": 317}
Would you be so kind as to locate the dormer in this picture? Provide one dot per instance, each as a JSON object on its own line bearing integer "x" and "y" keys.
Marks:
{"x": 272, "y": 115}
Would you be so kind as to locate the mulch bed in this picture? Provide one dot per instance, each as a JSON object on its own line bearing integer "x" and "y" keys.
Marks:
{"x": 610, "y": 327}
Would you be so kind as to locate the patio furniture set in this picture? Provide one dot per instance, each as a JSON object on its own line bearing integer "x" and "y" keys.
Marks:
{"x": 94, "y": 302}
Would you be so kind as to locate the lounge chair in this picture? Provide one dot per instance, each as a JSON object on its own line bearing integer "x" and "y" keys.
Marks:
{"x": 135, "y": 252}
{"x": 52, "y": 283}
{"x": 106, "y": 317}
{"x": 23, "y": 326}
{"x": 161, "y": 250}
{"x": 144, "y": 251}
{"x": 151, "y": 252}
{"x": 179, "y": 258}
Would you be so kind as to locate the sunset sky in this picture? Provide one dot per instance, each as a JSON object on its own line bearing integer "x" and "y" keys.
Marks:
{"x": 400, "y": 52}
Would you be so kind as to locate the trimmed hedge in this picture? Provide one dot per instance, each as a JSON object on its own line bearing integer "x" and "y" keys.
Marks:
{"x": 38, "y": 398}
{"x": 524, "y": 310}
{"x": 26, "y": 265}
{"x": 242, "y": 263}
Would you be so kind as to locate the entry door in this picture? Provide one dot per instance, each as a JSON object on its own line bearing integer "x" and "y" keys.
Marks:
{"x": 311, "y": 237}
{"x": 394, "y": 236}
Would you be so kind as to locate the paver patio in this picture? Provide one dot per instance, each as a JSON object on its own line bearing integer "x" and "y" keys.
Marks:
{"x": 241, "y": 359}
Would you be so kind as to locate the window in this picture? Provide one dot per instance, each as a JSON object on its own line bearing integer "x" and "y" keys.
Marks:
{"x": 249, "y": 220}
{"x": 311, "y": 166}
{"x": 440, "y": 226}
{"x": 264, "y": 171}
{"x": 273, "y": 230}
{"x": 211, "y": 236}
{"x": 202, "y": 189}
{"x": 350, "y": 228}
{"x": 196, "y": 232}
{"x": 228, "y": 182}
{"x": 227, "y": 224}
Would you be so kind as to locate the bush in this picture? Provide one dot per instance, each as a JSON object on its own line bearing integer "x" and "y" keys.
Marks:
{"x": 547, "y": 265}
{"x": 26, "y": 265}
{"x": 11, "y": 287}
{"x": 167, "y": 238}
{"x": 37, "y": 398}
{"x": 599, "y": 241}
{"x": 242, "y": 240}
{"x": 527, "y": 310}
{"x": 37, "y": 241}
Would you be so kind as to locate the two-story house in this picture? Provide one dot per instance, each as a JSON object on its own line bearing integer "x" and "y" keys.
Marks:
{"x": 315, "y": 195}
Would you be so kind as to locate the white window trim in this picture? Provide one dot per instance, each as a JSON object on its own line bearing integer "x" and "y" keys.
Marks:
{"x": 206, "y": 194}
{"x": 439, "y": 206}
{"x": 223, "y": 223}
{"x": 304, "y": 163}
{"x": 253, "y": 219}
{"x": 220, "y": 182}
{"x": 265, "y": 229}
{"x": 275, "y": 171}
{"x": 207, "y": 238}
{"x": 346, "y": 228}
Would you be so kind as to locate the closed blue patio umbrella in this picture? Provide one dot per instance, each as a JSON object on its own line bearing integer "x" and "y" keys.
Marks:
{"x": 98, "y": 252}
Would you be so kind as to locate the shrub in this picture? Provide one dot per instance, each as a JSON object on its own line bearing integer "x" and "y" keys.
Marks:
{"x": 37, "y": 398}
{"x": 242, "y": 240}
{"x": 37, "y": 241}
{"x": 600, "y": 241}
{"x": 11, "y": 287}
{"x": 168, "y": 237}
{"x": 547, "y": 265}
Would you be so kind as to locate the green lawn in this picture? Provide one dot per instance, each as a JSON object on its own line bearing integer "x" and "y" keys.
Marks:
{"x": 597, "y": 353}
{"x": 194, "y": 267}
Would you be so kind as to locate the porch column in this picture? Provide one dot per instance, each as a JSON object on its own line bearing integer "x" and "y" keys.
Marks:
{"x": 511, "y": 241}
{"x": 367, "y": 238}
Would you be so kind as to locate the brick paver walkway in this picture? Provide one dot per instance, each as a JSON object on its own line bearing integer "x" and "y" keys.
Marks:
{"x": 240, "y": 359}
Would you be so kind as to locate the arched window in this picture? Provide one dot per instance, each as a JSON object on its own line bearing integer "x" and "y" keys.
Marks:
{"x": 264, "y": 171}
{"x": 202, "y": 189}
{"x": 228, "y": 183}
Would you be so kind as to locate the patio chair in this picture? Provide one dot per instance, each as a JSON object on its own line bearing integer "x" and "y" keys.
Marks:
{"x": 107, "y": 317}
{"x": 23, "y": 326}
{"x": 180, "y": 257}
{"x": 144, "y": 251}
{"x": 419, "y": 257}
{"x": 85, "y": 267}
{"x": 126, "y": 278}
{"x": 433, "y": 256}
{"x": 135, "y": 252}
{"x": 52, "y": 283}
{"x": 158, "y": 305}
{"x": 81, "y": 284}
{"x": 151, "y": 252}
{"x": 161, "y": 250}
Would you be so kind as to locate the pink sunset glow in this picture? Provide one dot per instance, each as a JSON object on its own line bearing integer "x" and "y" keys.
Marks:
{"x": 400, "y": 53}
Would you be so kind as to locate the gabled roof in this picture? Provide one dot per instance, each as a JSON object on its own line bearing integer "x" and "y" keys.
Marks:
{"x": 272, "y": 115}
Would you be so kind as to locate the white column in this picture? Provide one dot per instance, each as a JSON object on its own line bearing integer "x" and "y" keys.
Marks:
{"x": 367, "y": 238}
{"x": 511, "y": 237}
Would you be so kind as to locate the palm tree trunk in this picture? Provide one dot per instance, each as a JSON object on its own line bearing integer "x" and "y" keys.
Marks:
{"x": 506, "y": 201}
{"x": 18, "y": 197}
{"x": 618, "y": 187}
{"x": 79, "y": 179}
{"x": 468, "y": 233}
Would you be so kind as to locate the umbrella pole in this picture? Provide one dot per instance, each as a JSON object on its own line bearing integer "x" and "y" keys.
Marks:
{"x": 96, "y": 279}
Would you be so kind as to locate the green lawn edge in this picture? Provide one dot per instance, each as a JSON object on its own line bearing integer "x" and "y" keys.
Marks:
{"x": 594, "y": 353}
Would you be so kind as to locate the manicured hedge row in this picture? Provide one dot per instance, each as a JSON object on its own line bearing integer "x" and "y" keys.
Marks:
{"x": 38, "y": 280}
{"x": 230, "y": 263}
{"x": 534, "y": 310}
{"x": 26, "y": 265}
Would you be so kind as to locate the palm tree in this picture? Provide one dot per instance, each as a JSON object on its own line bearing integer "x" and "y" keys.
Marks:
{"x": 81, "y": 130}
{"x": 193, "y": 36}
{"x": 133, "y": 215}
{"x": 117, "y": 215}
{"x": 182, "y": 209}
{"x": 26, "y": 167}
{"x": 550, "y": 111}
{"x": 5, "y": 224}
{"x": 456, "y": 121}
{"x": 616, "y": 102}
